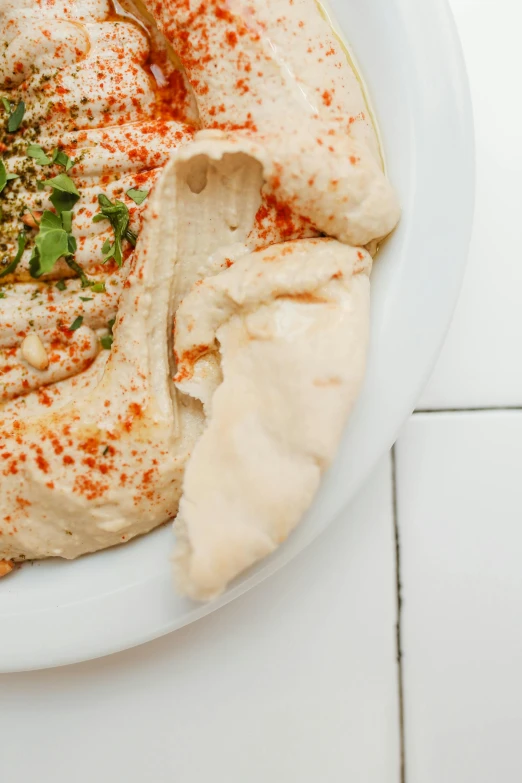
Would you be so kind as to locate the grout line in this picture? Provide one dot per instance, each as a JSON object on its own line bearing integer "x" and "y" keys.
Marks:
{"x": 485, "y": 409}
{"x": 398, "y": 625}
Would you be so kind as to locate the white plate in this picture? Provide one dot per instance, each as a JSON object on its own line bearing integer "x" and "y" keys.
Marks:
{"x": 408, "y": 52}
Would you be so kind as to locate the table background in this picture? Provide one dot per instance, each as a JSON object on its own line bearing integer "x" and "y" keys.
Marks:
{"x": 301, "y": 679}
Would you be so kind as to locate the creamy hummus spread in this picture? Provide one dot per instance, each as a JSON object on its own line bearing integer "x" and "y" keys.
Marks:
{"x": 191, "y": 192}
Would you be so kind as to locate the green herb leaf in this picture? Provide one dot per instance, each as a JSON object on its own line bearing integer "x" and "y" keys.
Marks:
{"x": 54, "y": 239}
{"x": 76, "y": 323}
{"x": 62, "y": 202}
{"x": 62, "y": 159}
{"x": 34, "y": 264}
{"x": 63, "y": 183}
{"x": 107, "y": 341}
{"x": 86, "y": 298}
{"x": 2, "y": 294}
{"x": 118, "y": 216}
{"x": 98, "y": 288}
{"x": 10, "y": 268}
{"x": 110, "y": 324}
{"x": 138, "y": 196}
{"x": 67, "y": 217}
{"x": 106, "y": 449}
{"x": 75, "y": 266}
{"x": 51, "y": 243}
{"x": 5, "y": 177}
{"x": 36, "y": 152}
{"x": 72, "y": 244}
{"x": 15, "y": 119}
{"x": 61, "y": 285}
{"x": 64, "y": 195}
{"x": 6, "y": 105}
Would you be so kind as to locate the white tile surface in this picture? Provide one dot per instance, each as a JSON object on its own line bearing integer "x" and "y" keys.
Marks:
{"x": 296, "y": 681}
{"x": 460, "y": 521}
{"x": 480, "y": 364}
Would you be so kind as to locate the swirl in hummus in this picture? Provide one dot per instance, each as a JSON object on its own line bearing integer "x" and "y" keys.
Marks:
{"x": 192, "y": 194}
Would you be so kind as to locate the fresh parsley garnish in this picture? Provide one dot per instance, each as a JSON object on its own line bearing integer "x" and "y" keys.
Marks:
{"x": 36, "y": 152}
{"x": 51, "y": 243}
{"x": 57, "y": 156}
{"x": 4, "y": 176}
{"x": 99, "y": 287}
{"x": 138, "y": 196}
{"x": 15, "y": 117}
{"x": 108, "y": 339}
{"x": 67, "y": 217}
{"x": 61, "y": 285}
{"x": 54, "y": 239}
{"x": 2, "y": 294}
{"x": 62, "y": 159}
{"x": 64, "y": 195}
{"x": 118, "y": 216}
{"x": 75, "y": 266}
{"x": 76, "y": 323}
{"x": 11, "y": 267}
{"x": 86, "y": 298}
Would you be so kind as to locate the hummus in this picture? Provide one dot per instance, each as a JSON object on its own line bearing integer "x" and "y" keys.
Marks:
{"x": 191, "y": 191}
